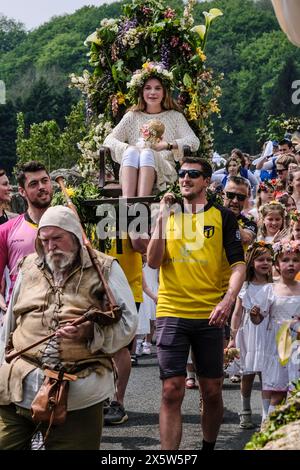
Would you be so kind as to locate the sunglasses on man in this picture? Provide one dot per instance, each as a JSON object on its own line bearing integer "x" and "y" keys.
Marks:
{"x": 240, "y": 197}
{"x": 191, "y": 173}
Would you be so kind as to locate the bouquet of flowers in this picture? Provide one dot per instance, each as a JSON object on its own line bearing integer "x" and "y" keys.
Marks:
{"x": 230, "y": 354}
{"x": 152, "y": 131}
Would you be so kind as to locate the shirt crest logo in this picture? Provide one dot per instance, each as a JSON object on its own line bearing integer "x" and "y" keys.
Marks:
{"x": 209, "y": 231}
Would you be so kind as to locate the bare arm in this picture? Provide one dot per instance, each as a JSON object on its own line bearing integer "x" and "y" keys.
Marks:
{"x": 222, "y": 311}
{"x": 235, "y": 321}
{"x": 148, "y": 291}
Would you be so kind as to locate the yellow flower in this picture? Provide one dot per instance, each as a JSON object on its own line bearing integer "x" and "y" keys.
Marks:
{"x": 70, "y": 192}
{"x": 213, "y": 106}
{"x": 201, "y": 54}
{"x": 192, "y": 111}
{"x": 120, "y": 97}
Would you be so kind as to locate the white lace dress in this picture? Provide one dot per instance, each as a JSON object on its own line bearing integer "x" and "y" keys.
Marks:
{"x": 276, "y": 377}
{"x": 250, "y": 337}
{"x": 127, "y": 132}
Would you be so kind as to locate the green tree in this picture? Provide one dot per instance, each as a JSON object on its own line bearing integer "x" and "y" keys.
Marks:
{"x": 47, "y": 143}
{"x": 7, "y": 136}
{"x": 11, "y": 34}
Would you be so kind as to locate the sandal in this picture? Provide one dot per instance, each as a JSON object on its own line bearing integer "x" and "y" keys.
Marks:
{"x": 190, "y": 383}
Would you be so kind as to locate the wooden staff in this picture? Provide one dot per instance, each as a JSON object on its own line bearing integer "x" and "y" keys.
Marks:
{"x": 115, "y": 310}
{"x": 90, "y": 315}
{"x": 113, "y": 305}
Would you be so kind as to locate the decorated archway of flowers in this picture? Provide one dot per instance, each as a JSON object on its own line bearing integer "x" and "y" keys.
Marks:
{"x": 148, "y": 31}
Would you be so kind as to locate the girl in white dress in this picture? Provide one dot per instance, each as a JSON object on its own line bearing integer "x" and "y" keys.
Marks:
{"x": 155, "y": 166}
{"x": 147, "y": 310}
{"x": 250, "y": 321}
{"x": 277, "y": 379}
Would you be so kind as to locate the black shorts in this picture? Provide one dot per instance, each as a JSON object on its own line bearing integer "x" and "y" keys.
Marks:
{"x": 175, "y": 336}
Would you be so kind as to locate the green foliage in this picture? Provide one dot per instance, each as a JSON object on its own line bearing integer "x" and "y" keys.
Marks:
{"x": 277, "y": 127}
{"x": 78, "y": 195}
{"x": 7, "y": 136}
{"x": 11, "y": 34}
{"x": 282, "y": 415}
{"x": 47, "y": 143}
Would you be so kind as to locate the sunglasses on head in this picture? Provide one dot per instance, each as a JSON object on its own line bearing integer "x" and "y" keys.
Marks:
{"x": 191, "y": 173}
{"x": 240, "y": 197}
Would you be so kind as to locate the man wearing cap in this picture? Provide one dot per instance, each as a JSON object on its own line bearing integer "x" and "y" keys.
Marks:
{"x": 58, "y": 284}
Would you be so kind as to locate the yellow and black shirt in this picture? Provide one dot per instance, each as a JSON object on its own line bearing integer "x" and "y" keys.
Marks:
{"x": 191, "y": 272}
{"x": 131, "y": 263}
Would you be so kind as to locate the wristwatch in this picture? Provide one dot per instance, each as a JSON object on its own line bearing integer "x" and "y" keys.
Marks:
{"x": 170, "y": 146}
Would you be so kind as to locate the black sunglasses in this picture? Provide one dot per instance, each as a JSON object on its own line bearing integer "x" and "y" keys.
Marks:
{"x": 240, "y": 197}
{"x": 192, "y": 173}
{"x": 280, "y": 171}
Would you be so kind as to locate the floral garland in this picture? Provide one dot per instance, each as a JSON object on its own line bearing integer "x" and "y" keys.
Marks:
{"x": 292, "y": 246}
{"x": 260, "y": 244}
{"x": 267, "y": 185}
{"x": 149, "y": 70}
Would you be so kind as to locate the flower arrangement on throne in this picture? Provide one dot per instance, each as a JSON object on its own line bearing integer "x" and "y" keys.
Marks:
{"x": 149, "y": 32}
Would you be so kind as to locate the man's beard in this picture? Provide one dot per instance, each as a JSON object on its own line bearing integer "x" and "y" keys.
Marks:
{"x": 41, "y": 204}
{"x": 60, "y": 263}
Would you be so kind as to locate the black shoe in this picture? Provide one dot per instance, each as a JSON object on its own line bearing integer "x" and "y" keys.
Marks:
{"x": 134, "y": 360}
{"x": 105, "y": 406}
{"x": 116, "y": 414}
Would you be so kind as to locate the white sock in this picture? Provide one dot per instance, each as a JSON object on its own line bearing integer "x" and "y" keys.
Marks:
{"x": 265, "y": 407}
{"x": 246, "y": 403}
{"x": 271, "y": 408}
{"x": 191, "y": 375}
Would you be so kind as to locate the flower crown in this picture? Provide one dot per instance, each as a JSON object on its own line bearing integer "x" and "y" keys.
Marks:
{"x": 294, "y": 215}
{"x": 292, "y": 246}
{"x": 260, "y": 244}
{"x": 149, "y": 70}
{"x": 270, "y": 204}
{"x": 266, "y": 185}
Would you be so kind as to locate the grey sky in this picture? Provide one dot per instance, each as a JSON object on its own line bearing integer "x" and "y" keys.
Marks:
{"x": 35, "y": 12}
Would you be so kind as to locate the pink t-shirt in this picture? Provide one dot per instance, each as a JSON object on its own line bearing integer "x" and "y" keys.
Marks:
{"x": 17, "y": 239}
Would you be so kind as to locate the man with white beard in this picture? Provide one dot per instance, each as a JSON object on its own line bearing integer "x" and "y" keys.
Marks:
{"x": 58, "y": 284}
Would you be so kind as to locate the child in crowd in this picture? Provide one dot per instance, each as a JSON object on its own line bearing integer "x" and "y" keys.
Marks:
{"x": 277, "y": 378}
{"x": 264, "y": 195}
{"x": 250, "y": 321}
{"x": 272, "y": 222}
{"x": 147, "y": 311}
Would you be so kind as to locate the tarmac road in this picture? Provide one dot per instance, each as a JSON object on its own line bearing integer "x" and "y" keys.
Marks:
{"x": 142, "y": 401}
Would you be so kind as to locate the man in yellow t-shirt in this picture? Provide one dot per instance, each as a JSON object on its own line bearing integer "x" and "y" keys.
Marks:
{"x": 188, "y": 247}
